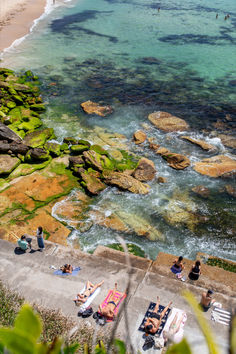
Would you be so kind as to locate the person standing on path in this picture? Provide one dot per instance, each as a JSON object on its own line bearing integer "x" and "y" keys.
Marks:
{"x": 40, "y": 238}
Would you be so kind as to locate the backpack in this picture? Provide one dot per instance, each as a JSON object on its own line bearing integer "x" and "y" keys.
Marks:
{"x": 149, "y": 343}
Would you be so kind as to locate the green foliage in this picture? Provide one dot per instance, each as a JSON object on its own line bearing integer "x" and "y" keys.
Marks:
{"x": 180, "y": 348}
{"x": 216, "y": 262}
{"x": 132, "y": 248}
{"x": 10, "y": 304}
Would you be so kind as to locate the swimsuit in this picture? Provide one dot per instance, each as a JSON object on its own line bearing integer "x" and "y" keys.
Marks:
{"x": 155, "y": 315}
{"x": 111, "y": 302}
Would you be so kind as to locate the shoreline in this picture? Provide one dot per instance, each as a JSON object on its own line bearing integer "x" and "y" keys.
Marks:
{"x": 17, "y": 18}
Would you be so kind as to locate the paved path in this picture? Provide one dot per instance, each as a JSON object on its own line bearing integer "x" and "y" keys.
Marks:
{"x": 31, "y": 276}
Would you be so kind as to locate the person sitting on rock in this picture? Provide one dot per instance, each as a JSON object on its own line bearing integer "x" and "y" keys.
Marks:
{"x": 89, "y": 290}
{"x": 153, "y": 322}
{"x": 178, "y": 266}
{"x": 109, "y": 310}
{"x": 195, "y": 271}
{"x": 67, "y": 268}
{"x": 24, "y": 243}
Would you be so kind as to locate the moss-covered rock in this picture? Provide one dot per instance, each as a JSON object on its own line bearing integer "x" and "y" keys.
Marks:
{"x": 70, "y": 141}
{"x": 53, "y": 148}
{"x": 64, "y": 147}
{"x": 31, "y": 125}
{"x": 78, "y": 149}
{"x": 15, "y": 115}
{"x": 91, "y": 181}
{"x": 8, "y": 164}
{"x": 38, "y": 107}
{"x": 11, "y": 104}
{"x": 99, "y": 150}
{"x": 38, "y": 138}
{"x": 26, "y": 169}
{"x": 37, "y": 155}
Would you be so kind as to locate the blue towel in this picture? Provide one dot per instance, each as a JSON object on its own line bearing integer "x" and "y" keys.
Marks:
{"x": 74, "y": 272}
{"x": 148, "y": 313}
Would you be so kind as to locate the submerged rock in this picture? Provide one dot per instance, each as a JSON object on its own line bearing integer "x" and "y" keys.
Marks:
{"x": 176, "y": 161}
{"x": 139, "y": 137}
{"x": 125, "y": 182}
{"x": 230, "y": 190}
{"x": 91, "y": 181}
{"x": 125, "y": 222}
{"x": 228, "y": 140}
{"x": 202, "y": 191}
{"x": 8, "y": 164}
{"x": 217, "y": 166}
{"x": 201, "y": 143}
{"x": 94, "y": 108}
{"x": 167, "y": 122}
{"x": 145, "y": 170}
{"x": 181, "y": 210}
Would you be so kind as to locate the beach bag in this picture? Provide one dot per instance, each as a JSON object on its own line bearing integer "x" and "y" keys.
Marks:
{"x": 88, "y": 312}
{"x": 159, "y": 343}
{"x": 149, "y": 343}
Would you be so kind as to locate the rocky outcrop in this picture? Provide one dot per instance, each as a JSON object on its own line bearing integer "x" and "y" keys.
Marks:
{"x": 202, "y": 144}
{"x": 7, "y": 164}
{"x": 39, "y": 137}
{"x": 139, "y": 137}
{"x": 91, "y": 181}
{"x": 8, "y": 134}
{"x": 145, "y": 171}
{"x": 217, "y": 166}
{"x": 161, "y": 179}
{"x": 94, "y": 108}
{"x": 125, "y": 182}
{"x": 228, "y": 140}
{"x": 37, "y": 155}
{"x": 16, "y": 148}
{"x": 168, "y": 123}
{"x": 176, "y": 161}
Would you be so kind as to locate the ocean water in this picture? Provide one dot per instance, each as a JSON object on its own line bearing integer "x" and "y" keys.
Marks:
{"x": 127, "y": 53}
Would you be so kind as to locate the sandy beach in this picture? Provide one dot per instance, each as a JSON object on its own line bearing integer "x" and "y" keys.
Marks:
{"x": 16, "y": 18}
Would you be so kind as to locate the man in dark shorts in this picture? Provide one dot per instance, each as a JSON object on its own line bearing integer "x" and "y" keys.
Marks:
{"x": 206, "y": 300}
{"x": 153, "y": 322}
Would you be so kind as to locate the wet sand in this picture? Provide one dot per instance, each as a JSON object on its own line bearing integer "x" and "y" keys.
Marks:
{"x": 16, "y": 19}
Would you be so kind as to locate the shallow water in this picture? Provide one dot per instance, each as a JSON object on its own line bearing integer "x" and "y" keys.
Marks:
{"x": 180, "y": 59}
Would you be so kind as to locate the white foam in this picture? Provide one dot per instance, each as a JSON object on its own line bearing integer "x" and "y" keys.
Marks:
{"x": 49, "y": 7}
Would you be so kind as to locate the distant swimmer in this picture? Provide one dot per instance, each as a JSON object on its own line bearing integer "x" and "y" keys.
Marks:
{"x": 226, "y": 17}
{"x": 216, "y": 15}
{"x": 158, "y": 9}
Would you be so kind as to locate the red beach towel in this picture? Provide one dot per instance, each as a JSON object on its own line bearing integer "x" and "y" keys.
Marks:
{"x": 116, "y": 297}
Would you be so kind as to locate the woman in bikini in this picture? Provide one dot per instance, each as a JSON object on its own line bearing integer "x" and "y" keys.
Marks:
{"x": 109, "y": 310}
{"x": 67, "y": 268}
{"x": 89, "y": 290}
{"x": 178, "y": 266}
{"x": 153, "y": 322}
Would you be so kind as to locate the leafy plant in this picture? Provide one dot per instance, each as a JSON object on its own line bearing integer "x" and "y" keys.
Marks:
{"x": 216, "y": 262}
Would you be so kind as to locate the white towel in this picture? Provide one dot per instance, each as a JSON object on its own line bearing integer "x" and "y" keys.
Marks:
{"x": 220, "y": 315}
{"x": 177, "y": 337}
{"x": 89, "y": 300}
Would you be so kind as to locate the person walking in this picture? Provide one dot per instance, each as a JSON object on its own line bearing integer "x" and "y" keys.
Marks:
{"x": 40, "y": 238}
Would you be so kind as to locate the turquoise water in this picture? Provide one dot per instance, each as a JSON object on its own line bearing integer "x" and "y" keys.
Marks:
{"x": 180, "y": 59}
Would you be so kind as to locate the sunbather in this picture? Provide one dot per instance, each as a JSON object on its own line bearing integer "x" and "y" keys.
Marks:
{"x": 89, "y": 290}
{"x": 109, "y": 310}
{"x": 67, "y": 268}
{"x": 153, "y": 322}
{"x": 174, "y": 327}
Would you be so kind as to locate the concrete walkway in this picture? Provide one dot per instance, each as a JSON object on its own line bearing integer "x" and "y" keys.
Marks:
{"x": 30, "y": 275}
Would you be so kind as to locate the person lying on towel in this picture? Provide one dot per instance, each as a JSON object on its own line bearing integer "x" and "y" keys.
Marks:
{"x": 109, "y": 310}
{"x": 153, "y": 322}
{"x": 67, "y": 268}
{"x": 174, "y": 328}
{"x": 89, "y": 290}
